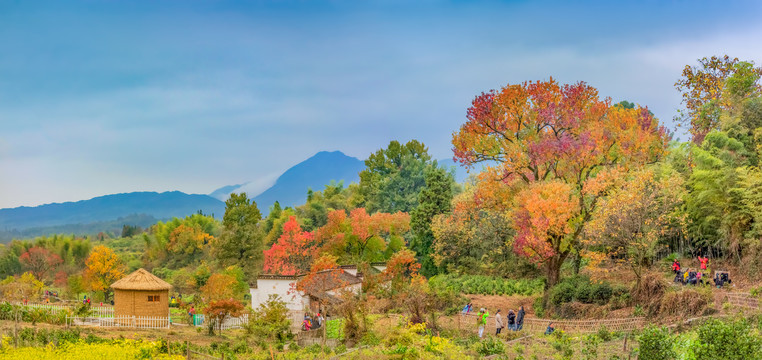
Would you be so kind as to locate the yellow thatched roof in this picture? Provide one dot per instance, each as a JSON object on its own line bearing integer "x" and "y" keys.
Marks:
{"x": 141, "y": 280}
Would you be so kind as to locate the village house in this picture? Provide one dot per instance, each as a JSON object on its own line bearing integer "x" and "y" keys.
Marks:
{"x": 323, "y": 289}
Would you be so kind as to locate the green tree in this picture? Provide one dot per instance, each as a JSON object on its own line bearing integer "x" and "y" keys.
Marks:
{"x": 393, "y": 177}
{"x": 241, "y": 240}
{"x": 275, "y": 211}
{"x": 434, "y": 199}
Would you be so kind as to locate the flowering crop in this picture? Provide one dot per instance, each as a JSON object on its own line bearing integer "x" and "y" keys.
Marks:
{"x": 116, "y": 350}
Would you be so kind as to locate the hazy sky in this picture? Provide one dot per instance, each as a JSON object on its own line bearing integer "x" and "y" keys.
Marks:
{"x": 100, "y": 97}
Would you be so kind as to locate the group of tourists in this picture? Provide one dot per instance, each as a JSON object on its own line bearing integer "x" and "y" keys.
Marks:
{"x": 514, "y": 321}
{"x": 312, "y": 323}
{"x": 696, "y": 276}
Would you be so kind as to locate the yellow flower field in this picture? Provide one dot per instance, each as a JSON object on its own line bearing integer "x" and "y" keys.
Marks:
{"x": 118, "y": 350}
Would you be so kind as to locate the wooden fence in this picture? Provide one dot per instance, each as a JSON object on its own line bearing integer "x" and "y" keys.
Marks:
{"x": 467, "y": 323}
{"x": 142, "y": 322}
{"x": 586, "y": 326}
{"x": 743, "y": 300}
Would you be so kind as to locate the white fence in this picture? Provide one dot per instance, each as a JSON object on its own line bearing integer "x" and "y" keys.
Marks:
{"x": 229, "y": 322}
{"x": 144, "y": 322}
{"x": 95, "y": 311}
{"x": 51, "y": 308}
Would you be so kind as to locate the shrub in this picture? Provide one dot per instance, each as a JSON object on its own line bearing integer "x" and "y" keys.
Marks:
{"x": 604, "y": 333}
{"x": 562, "y": 343}
{"x": 728, "y": 340}
{"x": 486, "y": 285}
{"x": 590, "y": 347}
{"x": 686, "y": 302}
{"x": 539, "y": 306}
{"x": 490, "y": 346}
{"x": 580, "y": 289}
{"x": 270, "y": 323}
{"x": 656, "y": 343}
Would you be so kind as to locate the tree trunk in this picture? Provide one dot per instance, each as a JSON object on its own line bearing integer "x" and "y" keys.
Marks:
{"x": 553, "y": 273}
{"x": 577, "y": 262}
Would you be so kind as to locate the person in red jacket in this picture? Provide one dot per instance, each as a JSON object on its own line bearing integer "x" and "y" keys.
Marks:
{"x": 676, "y": 266}
{"x": 703, "y": 261}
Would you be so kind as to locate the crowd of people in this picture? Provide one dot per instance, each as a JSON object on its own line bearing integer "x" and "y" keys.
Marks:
{"x": 692, "y": 276}
{"x": 313, "y": 322}
{"x": 514, "y": 321}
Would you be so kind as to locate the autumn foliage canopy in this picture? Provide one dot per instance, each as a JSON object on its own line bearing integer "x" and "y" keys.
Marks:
{"x": 552, "y": 150}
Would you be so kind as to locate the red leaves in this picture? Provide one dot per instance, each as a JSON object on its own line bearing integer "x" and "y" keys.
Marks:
{"x": 294, "y": 251}
{"x": 402, "y": 264}
{"x": 220, "y": 310}
{"x": 39, "y": 261}
{"x": 542, "y": 220}
{"x": 359, "y": 235}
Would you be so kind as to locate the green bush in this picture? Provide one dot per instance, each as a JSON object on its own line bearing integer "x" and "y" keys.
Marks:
{"x": 486, "y": 285}
{"x": 656, "y": 343}
{"x": 539, "y": 307}
{"x": 581, "y": 289}
{"x": 562, "y": 343}
{"x": 590, "y": 347}
{"x": 728, "y": 340}
{"x": 490, "y": 346}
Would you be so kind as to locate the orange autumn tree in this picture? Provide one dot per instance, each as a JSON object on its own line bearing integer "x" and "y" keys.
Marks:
{"x": 293, "y": 252}
{"x": 220, "y": 310}
{"x": 218, "y": 287}
{"x": 553, "y": 151}
{"x": 402, "y": 266}
{"x": 102, "y": 268}
{"x": 318, "y": 276}
{"x": 362, "y": 236}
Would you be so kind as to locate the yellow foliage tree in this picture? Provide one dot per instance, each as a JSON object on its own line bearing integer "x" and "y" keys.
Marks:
{"x": 25, "y": 286}
{"x": 102, "y": 268}
{"x": 219, "y": 287}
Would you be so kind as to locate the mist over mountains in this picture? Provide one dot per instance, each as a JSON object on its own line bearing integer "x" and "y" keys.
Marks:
{"x": 110, "y": 212}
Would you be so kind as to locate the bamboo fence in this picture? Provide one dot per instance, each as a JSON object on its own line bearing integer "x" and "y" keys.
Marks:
{"x": 468, "y": 323}
{"x": 743, "y": 300}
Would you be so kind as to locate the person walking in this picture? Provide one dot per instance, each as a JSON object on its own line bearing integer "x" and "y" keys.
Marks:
{"x": 520, "y": 318}
{"x": 498, "y": 322}
{"x": 481, "y": 321}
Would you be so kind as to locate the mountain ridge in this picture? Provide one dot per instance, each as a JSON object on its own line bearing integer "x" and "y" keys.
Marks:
{"x": 87, "y": 216}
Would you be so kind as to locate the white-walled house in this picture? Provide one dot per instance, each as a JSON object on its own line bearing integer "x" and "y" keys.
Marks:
{"x": 325, "y": 287}
{"x": 280, "y": 285}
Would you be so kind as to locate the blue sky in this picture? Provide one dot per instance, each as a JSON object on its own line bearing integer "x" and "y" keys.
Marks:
{"x": 100, "y": 97}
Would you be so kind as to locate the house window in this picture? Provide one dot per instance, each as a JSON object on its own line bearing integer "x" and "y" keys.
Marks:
{"x": 153, "y": 298}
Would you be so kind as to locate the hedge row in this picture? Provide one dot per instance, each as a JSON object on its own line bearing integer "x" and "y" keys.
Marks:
{"x": 486, "y": 285}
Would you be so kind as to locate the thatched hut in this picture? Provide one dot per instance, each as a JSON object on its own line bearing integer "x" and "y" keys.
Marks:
{"x": 141, "y": 294}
